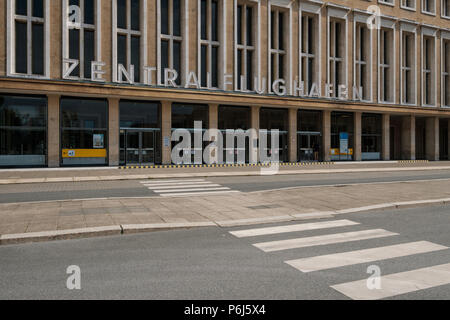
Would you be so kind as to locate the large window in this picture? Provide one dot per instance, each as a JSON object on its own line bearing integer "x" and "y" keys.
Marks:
{"x": 23, "y": 131}
{"x": 273, "y": 119}
{"x": 209, "y": 43}
{"x": 245, "y": 29}
{"x": 446, "y": 72}
{"x": 371, "y": 136}
{"x": 408, "y": 4}
{"x": 362, "y": 61}
{"x": 429, "y": 6}
{"x": 80, "y": 36}
{"x": 84, "y": 131}
{"x": 27, "y": 37}
{"x": 171, "y": 37}
{"x": 408, "y": 62}
{"x": 336, "y": 55}
{"x": 279, "y": 33}
{"x": 342, "y": 128}
{"x": 428, "y": 71}
{"x": 128, "y": 40}
{"x": 309, "y": 51}
{"x": 445, "y": 8}
{"x": 386, "y": 68}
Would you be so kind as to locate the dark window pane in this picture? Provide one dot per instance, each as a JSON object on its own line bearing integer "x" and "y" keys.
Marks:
{"x": 38, "y": 48}
{"x": 214, "y": 67}
{"x": 74, "y": 49}
{"x": 281, "y": 66}
{"x": 122, "y": 50}
{"x": 84, "y": 113}
{"x": 214, "y": 20}
{"x": 21, "y": 7}
{"x": 204, "y": 59}
{"x": 280, "y": 31}
{"x": 239, "y": 24}
{"x": 234, "y": 117}
{"x": 272, "y": 30}
{"x": 310, "y": 35}
{"x": 176, "y": 17}
{"x": 122, "y": 14}
{"x": 38, "y": 8}
{"x": 184, "y": 115}
{"x": 249, "y": 74}
{"x": 204, "y": 17}
{"x": 89, "y": 11}
{"x": 139, "y": 114}
{"x": 135, "y": 57}
{"x": 21, "y": 47}
{"x": 135, "y": 15}
{"x": 165, "y": 16}
{"x": 177, "y": 59}
{"x": 164, "y": 57}
{"x": 249, "y": 27}
{"x": 239, "y": 68}
{"x": 89, "y": 52}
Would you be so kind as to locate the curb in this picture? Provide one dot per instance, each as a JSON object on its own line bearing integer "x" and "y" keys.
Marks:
{"x": 212, "y": 174}
{"x": 7, "y": 239}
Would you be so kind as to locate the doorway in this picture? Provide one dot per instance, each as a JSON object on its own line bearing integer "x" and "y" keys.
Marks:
{"x": 308, "y": 146}
{"x": 137, "y": 147}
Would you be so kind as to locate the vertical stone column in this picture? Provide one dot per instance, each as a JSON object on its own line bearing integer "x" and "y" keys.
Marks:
{"x": 432, "y": 139}
{"x": 326, "y": 134}
{"x": 166, "y": 131}
{"x": 293, "y": 135}
{"x": 213, "y": 116}
{"x": 357, "y": 136}
{"x": 253, "y": 152}
{"x": 113, "y": 131}
{"x": 386, "y": 137}
{"x": 53, "y": 133}
{"x": 409, "y": 137}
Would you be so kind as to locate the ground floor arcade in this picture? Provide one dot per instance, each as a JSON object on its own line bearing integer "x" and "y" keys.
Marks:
{"x": 58, "y": 130}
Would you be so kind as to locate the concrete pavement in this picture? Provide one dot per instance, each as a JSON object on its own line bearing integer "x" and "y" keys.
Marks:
{"x": 48, "y": 220}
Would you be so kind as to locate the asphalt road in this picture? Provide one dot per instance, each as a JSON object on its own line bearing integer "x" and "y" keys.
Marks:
{"x": 130, "y": 188}
{"x": 211, "y": 263}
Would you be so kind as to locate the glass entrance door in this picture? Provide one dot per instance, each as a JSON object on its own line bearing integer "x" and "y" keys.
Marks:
{"x": 308, "y": 145}
{"x": 137, "y": 147}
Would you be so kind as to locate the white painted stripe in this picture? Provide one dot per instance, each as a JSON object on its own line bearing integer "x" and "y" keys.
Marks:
{"x": 197, "y": 193}
{"x": 175, "y": 183}
{"x": 322, "y": 240}
{"x": 193, "y": 189}
{"x": 178, "y": 180}
{"x": 292, "y": 228}
{"x": 330, "y": 261}
{"x": 397, "y": 283}
{"x": 186, "y": 186}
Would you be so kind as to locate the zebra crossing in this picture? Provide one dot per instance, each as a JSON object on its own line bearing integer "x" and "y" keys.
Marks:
{"x": 392, "y": 284}
{"x": 184, "y": 188}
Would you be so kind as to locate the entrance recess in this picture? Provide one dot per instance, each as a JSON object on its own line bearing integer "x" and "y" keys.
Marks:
{"x": 308, "y": 145}
{"x": 138, "y": 146}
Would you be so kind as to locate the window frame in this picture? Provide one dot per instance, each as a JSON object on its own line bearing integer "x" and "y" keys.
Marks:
{"x": 243, "y": 48}
{"x": 391, "y": 27}
{"x": 412, "y": 31}
{"x": 357, "y": 22}
{"x": 428, "y": 33}
{"x": 287, "y": 52}
{"x": 221, "y": 8}
{"x": 11, "y": 19}
{"x": 183, "y": 39}
{"x": 96, "y": 28}
{"x": 311, "y": 11}
{"x": 390, "y": 3}
{"x": 445, "y": 16}
{"x": 404, "y": 6}
{"x": 142, "y": 33}
{"x": 431, "y": 13}
{"x": 445, "y": 69}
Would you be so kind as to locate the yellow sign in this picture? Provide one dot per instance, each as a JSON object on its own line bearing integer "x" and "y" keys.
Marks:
{"x": 84, "y": 153}
{"x": 335, "y": 152}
